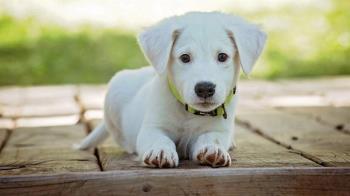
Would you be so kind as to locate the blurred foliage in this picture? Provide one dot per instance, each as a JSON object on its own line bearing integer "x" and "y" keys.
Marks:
{"x": 306, "y": 42}
{"x": 302, "y": 43}
{"x": 31, "y": 53}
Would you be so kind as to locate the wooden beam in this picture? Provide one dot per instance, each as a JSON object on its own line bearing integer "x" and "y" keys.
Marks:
{"x": 227, "y": 181}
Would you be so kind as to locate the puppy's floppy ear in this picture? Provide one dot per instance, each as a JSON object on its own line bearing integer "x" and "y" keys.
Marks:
{"x": 249, "y": 40}
{"x": 157, "y": 41}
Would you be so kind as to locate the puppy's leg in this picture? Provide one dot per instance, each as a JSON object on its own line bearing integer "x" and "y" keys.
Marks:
{"x": 211, "y": 149}
{"x": 157, "y": 149}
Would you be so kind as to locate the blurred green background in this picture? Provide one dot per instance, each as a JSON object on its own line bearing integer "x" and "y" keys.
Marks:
{"x": 304, "y": 41}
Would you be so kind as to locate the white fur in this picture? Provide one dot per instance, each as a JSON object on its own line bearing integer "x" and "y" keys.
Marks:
{"x": 143, "y": 115}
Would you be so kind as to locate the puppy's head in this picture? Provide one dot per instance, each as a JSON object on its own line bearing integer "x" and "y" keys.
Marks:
{"x": 202, "y": 54}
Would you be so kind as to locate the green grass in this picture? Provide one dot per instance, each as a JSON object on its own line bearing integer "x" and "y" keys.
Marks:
{"x": 33, "y": 53}
{"x": 314, "y": 44}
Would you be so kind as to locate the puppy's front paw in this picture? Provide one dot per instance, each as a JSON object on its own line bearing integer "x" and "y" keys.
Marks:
{"x": 213, "y": 156}
{"x": 161, "y": 158}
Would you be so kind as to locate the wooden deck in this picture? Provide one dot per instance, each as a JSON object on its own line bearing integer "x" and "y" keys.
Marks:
{"x": 293, "y": 138}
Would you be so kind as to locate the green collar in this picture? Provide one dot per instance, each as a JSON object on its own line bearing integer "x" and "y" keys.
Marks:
{"x": 219, "y": 111}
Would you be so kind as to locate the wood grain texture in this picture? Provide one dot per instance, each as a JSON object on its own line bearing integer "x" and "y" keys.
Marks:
{"x": 66, "y": 106}
{"x": 329, "y": 92}
{"x": 280, "y": 151}
{"x": 312, "y": 139}
{"x": 334, "y": 90}
{"x": 228, "y": 181}
{"x": 45, "y": 150}
{"x": 255, "y": 151}
{"x": 39, "y": 101}
{"x": 24, "y": 161}
{"x": 338, "y": 117}
{"x": 47, "y": 121}
{"x": 252, "y": 151}
{"x": 46, "y": 137}
{"x": 30, "y": 95}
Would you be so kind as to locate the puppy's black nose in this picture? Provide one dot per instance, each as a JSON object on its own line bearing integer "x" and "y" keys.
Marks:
{"x": 204, "y": 89}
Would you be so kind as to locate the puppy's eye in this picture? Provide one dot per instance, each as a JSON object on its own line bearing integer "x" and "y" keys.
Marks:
{"x": 185, "y": 58}
{"x": 222, "y": 57}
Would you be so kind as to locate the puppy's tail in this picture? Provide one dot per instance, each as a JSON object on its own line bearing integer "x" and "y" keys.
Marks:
{"x": 98, "y": 135}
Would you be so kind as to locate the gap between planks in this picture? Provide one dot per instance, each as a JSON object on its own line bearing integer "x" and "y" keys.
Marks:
{"x": 8, "y": 133}
{"x": 87, "y": 125}
{"x": 82, "y": 110}
{"x": 339, "y": 127}
{"x": 306, "y": 136}
{"x": 257, "y": 131}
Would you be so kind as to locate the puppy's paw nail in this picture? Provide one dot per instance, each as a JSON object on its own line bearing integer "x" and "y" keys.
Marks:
{"x": 161, "y": 158}
{"x": 213, "y": 156}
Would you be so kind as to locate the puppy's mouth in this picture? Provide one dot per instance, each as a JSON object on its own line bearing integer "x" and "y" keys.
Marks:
{"x": 206, "y": 105}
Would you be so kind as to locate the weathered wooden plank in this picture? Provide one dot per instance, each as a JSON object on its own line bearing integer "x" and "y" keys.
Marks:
{"x": 225, "y": 181}
{"x": 314, "y": 140}
{"x": 91, "y": 115}
{"x": 258, "y": 88}
{"x": 92, "y": 97}
{"x": 45, "y": 150}
{"x": 10, "y": 95}
{"x": 34, "y": 160}
{"x": 332, "y": 91}
{"x": 7, "y": 123}
{"x": 316, "y": 85}
{"x": 43, "y": 109}
{"x": 47, "y": 121}
{"x": 38, "y": 94}
{"x": 338, "y": 98}
{"x": 46, "y": 137}
{"x": 38, "y": 101}
{"x": 252, "y": 151}
{"x": 255, "y": 151}
{"x": 114, "y": 158}
{"x": 291, "y": 93}
{"x": 289, "y": 100}
{"x": 262, "y": 95}
{"x": 338, "y": 117}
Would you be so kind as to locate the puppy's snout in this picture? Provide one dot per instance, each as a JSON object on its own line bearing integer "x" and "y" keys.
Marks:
{"x": 205, "y": 89}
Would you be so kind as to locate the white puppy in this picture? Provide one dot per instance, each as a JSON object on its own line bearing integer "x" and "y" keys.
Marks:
{"x": 183, "y": 105}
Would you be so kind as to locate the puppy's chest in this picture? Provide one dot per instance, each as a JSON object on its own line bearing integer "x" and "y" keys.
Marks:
{"x": 196, "y": 123}
{"x": 187, "y": 133}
